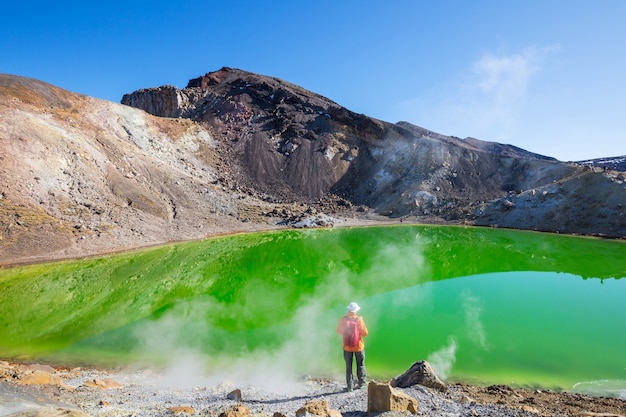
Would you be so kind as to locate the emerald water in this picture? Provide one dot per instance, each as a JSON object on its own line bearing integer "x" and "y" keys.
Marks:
{"x": 485, "y": 306}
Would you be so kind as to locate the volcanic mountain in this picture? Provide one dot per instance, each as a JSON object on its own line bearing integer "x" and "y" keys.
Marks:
{"x": 237, "y": 151}
{"x": 289, "y": 144}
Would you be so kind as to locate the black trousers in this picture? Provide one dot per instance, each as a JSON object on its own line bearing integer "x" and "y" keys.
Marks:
{"x": 360, "y": 367}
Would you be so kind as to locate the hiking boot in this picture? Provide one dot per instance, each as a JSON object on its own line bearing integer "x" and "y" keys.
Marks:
{"x": 360, "y": 385}
{"x": 347, "y": 389}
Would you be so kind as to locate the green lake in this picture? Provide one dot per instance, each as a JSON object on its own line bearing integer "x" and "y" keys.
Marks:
{"x": 485, "y": 306}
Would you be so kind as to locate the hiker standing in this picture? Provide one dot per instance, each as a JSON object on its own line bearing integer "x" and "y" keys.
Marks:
{"x": 352, "y": 328}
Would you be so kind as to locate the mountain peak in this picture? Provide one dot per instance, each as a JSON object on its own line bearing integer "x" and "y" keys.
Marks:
{"x": 217, "y": 77}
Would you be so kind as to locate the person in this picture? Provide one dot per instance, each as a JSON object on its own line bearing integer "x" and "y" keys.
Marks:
{"x": 353, "y": 349}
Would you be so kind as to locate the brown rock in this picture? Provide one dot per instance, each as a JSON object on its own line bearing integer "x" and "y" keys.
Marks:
{"x": 37, "y": 367}
{"x": 466, "y": 399}
{"x": 422, "y": 373}
{"x": 181, "y": 410}
{"x": 383, "y": 397}
{"x": 39, "y": 378}
{"x": 53, "y": 412}
{"x": 530, "y": 409}
{"x": 238, "y": 410}
{"x": 102, "y": 384}
{"x": 5, "y": 370}
{"x": 317, "y": 408}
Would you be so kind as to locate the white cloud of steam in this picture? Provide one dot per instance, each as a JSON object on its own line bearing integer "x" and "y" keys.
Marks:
{"x": 313, "y": 347}
{"x": 443, "y": 359}
{"x": 160, "y": 343}
{"x": 472, "y": 308}
{"x": 308, "y": 350}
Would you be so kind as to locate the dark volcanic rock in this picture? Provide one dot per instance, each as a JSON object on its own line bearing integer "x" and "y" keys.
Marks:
{"x": 422, "y": 373}
{"x": 293, "y": 144}
{"x": 290, "y": 144}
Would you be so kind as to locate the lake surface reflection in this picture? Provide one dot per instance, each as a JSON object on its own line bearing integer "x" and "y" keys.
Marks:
{"x": 482, "y": 305}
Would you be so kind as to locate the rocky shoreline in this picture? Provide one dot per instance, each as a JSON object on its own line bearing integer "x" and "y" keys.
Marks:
{"x": 43, "y": 390}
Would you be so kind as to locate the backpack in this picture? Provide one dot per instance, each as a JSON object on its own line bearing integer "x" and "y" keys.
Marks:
{"x": 351, "y": 332}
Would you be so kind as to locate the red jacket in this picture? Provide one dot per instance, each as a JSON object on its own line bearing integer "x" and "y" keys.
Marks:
{"x": 362, "y": 331}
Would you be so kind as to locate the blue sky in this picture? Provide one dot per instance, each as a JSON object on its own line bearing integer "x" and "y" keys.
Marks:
{"x": 547, "y": 76}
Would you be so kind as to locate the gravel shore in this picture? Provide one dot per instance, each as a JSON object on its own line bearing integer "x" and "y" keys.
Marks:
{"x": 35, "y": 390}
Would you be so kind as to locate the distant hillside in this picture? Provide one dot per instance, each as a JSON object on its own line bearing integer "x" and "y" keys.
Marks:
{"x": 617, "y": 163}
{"x": 237, "y": 151}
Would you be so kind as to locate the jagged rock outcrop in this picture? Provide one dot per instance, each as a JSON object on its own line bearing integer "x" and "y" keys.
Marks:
{"x": 422, "y": 373}
{"x": 166, "y": 101}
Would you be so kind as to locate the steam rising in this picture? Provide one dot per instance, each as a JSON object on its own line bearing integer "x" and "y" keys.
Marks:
{"x": 186, "y": 364}
{"x": 473, "y": 323}
{"x": 194, "y": 350}
{"x": 443, "y": 359}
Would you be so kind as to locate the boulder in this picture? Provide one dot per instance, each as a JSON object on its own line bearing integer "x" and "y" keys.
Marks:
{"x": 235, "y": 395}
{"x": 422, "y": 373}
{"x": 383, "y": 398}
{"x": 317, "y": 408}
{"x": 238, "y": 410}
